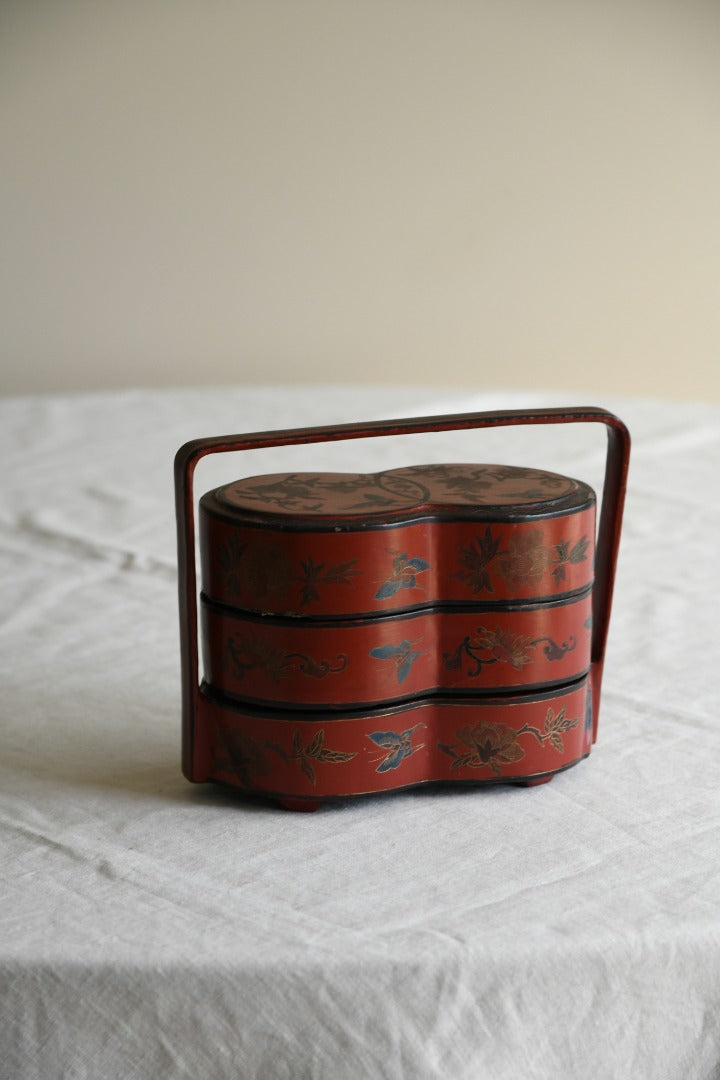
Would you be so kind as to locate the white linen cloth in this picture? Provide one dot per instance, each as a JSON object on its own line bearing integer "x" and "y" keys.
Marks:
{"x": 150, "y": 928}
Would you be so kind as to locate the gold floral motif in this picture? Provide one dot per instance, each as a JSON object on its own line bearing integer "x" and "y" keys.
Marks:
{"x": 555, "y": 726}
{"x": 525, "y": 560}
{"x": 264, "y": 572}
{"x": 242, "y": 755}
{"x": 243, "y": 652}
{"x": 490, "y": 744}
{"x": 315, "y": 575}
{"x": 474, "y": 561}
{"x": 270, "y": 578}
{"x": 503, "y": 646}
{"x": 316, "y": 751}
{"x": 493, "y": 744}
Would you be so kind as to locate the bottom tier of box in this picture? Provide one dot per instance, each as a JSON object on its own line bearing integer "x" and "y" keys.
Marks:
{"x": 303, "y": 758}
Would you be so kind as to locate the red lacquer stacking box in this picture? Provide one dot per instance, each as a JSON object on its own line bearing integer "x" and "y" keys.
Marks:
{"x": 367, "y": 632}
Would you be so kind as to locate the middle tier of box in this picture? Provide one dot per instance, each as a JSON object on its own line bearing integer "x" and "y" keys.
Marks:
{"x": 315, "y": 663}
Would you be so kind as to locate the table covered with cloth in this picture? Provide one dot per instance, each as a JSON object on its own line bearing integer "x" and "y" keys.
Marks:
{"x": 152, "y": 928}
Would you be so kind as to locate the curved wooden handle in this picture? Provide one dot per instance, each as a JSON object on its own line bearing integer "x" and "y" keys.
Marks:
{"x": 187, "y": 457}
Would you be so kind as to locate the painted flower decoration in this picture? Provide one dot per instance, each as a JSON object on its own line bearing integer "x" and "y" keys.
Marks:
{"x": 244, "y": 652}
{"x": 317, "y": 574}
{"x": 243, "y": 755}
{"x": 504, "y": 646}
{"x": 316, "y": 751}
{"x": 491, "y": 745}
{"x": 296, "y": 491}
{"x": 565, "y": 553}
{"x": 525, "y": 560}
{"x": 268, "y": 573}
{"x": 474, "y": 560}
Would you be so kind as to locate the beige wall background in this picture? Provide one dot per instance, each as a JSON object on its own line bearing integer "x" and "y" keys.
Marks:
{"x": 504, "y": 193}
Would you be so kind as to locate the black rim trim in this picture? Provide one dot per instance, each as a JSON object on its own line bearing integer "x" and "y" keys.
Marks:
{"x": 457, "y": 698}
{"x": 402, "y": 614}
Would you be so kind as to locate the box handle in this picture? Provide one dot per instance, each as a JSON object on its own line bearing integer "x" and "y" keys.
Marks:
{"x": 608, "y": 541}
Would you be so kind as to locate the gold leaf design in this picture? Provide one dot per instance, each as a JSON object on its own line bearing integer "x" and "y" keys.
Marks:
{"x": 316, "y": 751}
